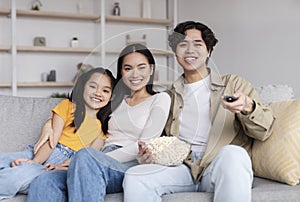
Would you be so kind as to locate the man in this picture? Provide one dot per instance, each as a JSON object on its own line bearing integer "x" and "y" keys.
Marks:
{"x": 220, "y": 132}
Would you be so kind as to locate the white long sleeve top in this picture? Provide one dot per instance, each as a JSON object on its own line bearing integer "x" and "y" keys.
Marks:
{"x": 129, "y": 124}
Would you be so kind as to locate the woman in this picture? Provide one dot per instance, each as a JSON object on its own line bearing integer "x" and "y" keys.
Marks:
{"x": 138, "y": 114}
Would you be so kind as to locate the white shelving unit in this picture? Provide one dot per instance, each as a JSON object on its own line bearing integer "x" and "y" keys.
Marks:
{"x": 16, "y": 48}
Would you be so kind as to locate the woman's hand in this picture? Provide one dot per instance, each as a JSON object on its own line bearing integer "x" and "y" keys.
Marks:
{"x": 144, "y": 156}
{"x": 243, "y": 104}
{"x": 46, "y": 134}
{"x": 62, "y": 166}
{"x": 18, "y": 161}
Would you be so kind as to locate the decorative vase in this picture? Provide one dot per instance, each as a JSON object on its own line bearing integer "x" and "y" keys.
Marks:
{"x": 116, "y": 9}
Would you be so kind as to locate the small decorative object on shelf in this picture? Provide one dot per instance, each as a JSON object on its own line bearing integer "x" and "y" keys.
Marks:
{"x": 36, "y": 5}
{"x": 74, "y": 42}
{"x": 44, "y": 76}
{"x": 116, "y": 9}
{"x": 143, "y": 41}
{"x": 39, "y": 41}
{"x": 51, "y": 76}
{"x": 81, "y": 68}
{"x": 146, "y": 8}
{"x": 78, "y": 7}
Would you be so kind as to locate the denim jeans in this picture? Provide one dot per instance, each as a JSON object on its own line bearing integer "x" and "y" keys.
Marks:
{"x": 91, "y": 175}
{"x": 229, "y": 176}
{"x": 15, "y": 180}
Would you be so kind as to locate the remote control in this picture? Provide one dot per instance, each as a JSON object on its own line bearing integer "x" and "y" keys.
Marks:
{"x": 229, "y": 98}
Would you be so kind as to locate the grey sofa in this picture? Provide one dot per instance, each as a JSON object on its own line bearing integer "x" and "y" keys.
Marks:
{"x": 21, "y": 119}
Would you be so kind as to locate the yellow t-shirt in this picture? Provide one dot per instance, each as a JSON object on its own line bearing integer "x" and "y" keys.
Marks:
{"x": 89, "y": 129}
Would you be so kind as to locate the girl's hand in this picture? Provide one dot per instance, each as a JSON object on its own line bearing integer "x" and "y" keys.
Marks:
{"x": 17, "y": 162}
{"x": 46, "y": 134}
{"x": 63, "y": 166}
{"x": 144, "y": 156}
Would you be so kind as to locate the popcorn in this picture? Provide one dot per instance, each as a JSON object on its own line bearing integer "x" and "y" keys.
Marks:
{"x": 168, "y": 151}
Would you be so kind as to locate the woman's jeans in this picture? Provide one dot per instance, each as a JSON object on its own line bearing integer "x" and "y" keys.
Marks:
{"x": 91, "y": 175}
{"x": 15, "y": 180}
{"x": 229, "y": 176}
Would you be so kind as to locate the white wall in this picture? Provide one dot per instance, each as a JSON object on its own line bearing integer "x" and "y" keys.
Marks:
{"x": 258, "y": 40}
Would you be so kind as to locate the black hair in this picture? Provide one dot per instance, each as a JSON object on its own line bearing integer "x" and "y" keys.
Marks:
{"x": 77, "y": 98}
{"x": 121, "y": 90}
{"x": 179, "y": 33}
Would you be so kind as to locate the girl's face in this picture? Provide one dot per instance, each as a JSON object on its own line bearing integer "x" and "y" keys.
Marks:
{"x": 136, "y": 71}
{"x": 97, "y": 91}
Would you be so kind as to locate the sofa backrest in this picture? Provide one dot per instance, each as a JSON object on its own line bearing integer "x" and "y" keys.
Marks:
{"x": 21, "y": 119}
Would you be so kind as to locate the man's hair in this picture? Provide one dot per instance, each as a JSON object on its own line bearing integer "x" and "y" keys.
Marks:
{"x": 179, "y": 33}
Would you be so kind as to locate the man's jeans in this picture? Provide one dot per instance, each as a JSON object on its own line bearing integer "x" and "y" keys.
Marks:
{"x": 229, "y": 176}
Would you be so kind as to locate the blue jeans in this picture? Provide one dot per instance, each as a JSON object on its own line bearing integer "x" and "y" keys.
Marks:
{"x": 229, "y": 176}
{"x": 15, "y": 180}
{"x": 91, "y": 175}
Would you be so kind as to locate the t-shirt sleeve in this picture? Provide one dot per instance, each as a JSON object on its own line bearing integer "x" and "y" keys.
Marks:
{"x": 62, "y": 109}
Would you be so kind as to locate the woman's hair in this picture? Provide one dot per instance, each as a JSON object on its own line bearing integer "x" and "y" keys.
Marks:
{"x": 77, "y": 98}
{"x": 121, "y": 90}
{"x": 179, "y": 33}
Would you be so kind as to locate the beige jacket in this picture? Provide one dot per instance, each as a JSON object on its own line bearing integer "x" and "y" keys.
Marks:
{"x": 227, "y": 127}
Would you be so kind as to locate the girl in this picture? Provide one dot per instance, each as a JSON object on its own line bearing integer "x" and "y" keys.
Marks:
{"x": 139, "y": 113}
{"x": 77, "y": 122}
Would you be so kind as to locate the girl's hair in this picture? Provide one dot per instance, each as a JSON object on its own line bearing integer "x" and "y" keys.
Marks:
{"x": 121, "y": 90}
{"x": 179, "y": 33}
{"x": 77, "y": 98}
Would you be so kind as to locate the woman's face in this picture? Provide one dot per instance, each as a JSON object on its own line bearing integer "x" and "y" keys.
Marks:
{"x": 97, "y": 91}
{"x": 136, "y": 71}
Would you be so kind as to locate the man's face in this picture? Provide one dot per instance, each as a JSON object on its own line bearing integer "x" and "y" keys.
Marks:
{"x": 192, "y": 53}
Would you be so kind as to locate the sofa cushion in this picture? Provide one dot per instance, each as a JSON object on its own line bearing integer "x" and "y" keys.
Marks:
{"x": 278, "y": 158}
{"x": 275, "y": 93}
{"x": 21, "y": 119}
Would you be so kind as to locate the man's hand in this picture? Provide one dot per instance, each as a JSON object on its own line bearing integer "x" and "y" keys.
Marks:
{"x": 144, "y": 156}
{"x": 243, "y": 104}
{"x": 18, "y": 161}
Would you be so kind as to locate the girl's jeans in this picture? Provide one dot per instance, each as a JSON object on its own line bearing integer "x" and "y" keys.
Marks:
{"x": 91, "y": 175}
{"x": 15, "y": 180}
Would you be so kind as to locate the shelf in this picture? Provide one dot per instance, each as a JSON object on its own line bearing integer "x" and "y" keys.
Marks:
{"x": 4, "y": 11}
{"x": 54, "y": 49}
{"x": 61, "y": 15}
{"x": 38, "y": 84}
{"x": 61, "y": 84}
{"x": 78, "y": 16}
{"x": 154, "y": 52}
{"x": 72, "y": 50}
{"x": 4, "y": 48}
{"x": 165, "y": 22}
